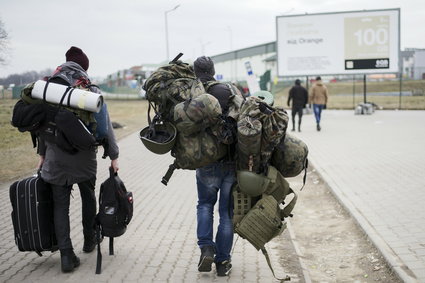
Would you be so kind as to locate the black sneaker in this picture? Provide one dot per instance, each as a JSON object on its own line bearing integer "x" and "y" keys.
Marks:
{"x": 206, "y": 259}
{"x": 223, "y": 268}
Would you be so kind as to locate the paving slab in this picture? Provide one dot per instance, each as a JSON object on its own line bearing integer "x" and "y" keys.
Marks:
{"x": 375, "y": 165}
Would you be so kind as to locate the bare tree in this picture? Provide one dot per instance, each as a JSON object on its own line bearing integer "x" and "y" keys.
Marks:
{"x": 4, "y": 41}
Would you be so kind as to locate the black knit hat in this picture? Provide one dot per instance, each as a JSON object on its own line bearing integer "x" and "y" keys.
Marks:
{"x": 204, "y": 65}
{"x": 77, "y": 55}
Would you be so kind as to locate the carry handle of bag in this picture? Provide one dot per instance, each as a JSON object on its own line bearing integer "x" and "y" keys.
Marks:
{"x": 176, "y": 58}
{"x": 112, "y": 173}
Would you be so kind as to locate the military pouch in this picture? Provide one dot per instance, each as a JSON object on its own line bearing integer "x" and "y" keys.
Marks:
{"x": 262, "y": 223}
{"x": 195, "y": 151}
{"x": 196, "y": 114}
{"x": 249, "y": 144}
{"x": 242, "y": 204}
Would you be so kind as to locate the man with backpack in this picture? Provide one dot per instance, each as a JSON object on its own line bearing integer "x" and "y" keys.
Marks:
{"x": 299, "y": 96}
{"x": 62, "y": 169}
{"x": 213, "y": 180}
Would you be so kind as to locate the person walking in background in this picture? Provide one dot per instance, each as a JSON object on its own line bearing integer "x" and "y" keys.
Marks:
{"x": 215, "y": 180}
{"x": 319, "y": 99}
{"x": 299, "y": 96}
{"x": 62, "y": 169}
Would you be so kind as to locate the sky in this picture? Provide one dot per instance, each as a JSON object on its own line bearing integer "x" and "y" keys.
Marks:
{"x": 120, "y": 34}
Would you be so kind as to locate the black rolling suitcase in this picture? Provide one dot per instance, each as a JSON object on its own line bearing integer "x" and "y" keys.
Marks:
{"x": 32, "y": 215}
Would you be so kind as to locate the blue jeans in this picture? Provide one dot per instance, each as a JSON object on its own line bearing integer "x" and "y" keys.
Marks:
{"x": 213, "y": 180}
{"x": 317, "y": 108}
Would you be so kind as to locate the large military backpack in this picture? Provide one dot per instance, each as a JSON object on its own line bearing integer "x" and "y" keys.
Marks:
{"x": 184, "y": 113}
{"x": 170, "y": 85}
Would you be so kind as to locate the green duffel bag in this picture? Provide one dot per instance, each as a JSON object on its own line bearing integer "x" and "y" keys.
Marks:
{"x": 290, "y": 156}
{"x": 196, "y": 114}
{"x": 195, "y": 151}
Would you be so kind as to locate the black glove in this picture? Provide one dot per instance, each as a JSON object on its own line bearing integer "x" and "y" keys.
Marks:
{"x": 324, "y": 107}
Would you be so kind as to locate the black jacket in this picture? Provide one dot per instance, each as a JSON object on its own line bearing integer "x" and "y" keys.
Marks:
{"x": 299, "y": 96}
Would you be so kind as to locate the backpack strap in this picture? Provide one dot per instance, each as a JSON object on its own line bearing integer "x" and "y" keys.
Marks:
{"x": 266, "y": 255}
{"x": 99, "y": 253}
{"x": 111, "y": 245}
{"x": 169, "y": 173}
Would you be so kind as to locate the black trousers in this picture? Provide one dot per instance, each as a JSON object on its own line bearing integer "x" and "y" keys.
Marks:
{"x": 61, "y": 201}
{"x": 294, "y": 112}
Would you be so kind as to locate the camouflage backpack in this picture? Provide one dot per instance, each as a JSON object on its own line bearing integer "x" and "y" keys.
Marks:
{"x": 179, "y": 98}
{"x": 170, "y": 85}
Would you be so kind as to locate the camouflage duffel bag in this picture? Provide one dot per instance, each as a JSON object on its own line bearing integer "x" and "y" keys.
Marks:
{"x": 249, "y": 144}
{"x": 274, "y": 121}
{"x": 196, "y": 114}
{"x": 290, "y": 156}
{"x": 195, "y": 151}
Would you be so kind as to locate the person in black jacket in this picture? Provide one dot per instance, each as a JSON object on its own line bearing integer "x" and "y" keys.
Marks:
{"x": 62, "y": 169}
{"x": 299, "y": 96}
{"x": 213, "y": 180}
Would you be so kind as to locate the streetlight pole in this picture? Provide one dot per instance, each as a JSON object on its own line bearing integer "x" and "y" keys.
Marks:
{"x": 166, "y": 30}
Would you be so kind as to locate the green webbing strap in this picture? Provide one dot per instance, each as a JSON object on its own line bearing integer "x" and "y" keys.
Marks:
{"x": 266, "y": 255}
{"x": 305, "y": 173}
{"x": 288, "y": 209}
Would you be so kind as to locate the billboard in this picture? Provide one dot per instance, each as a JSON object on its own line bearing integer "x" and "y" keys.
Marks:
{"x": 357, "y": 42}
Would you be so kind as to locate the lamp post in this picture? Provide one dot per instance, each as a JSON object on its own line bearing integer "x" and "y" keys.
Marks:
{"x": 166, "y": 30}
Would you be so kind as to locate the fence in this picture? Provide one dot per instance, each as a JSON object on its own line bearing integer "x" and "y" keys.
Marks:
{"x": 387, "y": 94}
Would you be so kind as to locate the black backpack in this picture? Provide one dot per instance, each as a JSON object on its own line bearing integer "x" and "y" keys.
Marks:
{"x": 115, "y": 213}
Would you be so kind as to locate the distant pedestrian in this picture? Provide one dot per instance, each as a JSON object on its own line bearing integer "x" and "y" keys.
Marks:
{"x": 299, "y": 96}
{"x": 319, "y": 99}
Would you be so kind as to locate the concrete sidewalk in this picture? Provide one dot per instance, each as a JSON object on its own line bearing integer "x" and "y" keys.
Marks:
{"x": 375, "y": 165}
{"x": 159, "y": 245}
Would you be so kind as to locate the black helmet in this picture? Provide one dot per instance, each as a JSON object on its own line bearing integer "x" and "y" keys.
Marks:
{"x": 159, "y": 138}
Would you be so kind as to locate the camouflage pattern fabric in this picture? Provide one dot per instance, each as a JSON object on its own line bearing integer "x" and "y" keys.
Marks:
{"x": 249, "y": 144}
{"x": 199, "y": 113}
{"x": 195, "y": 151}
{"x": 170, "y": 85}
{"x": 274, "y": 122}
{"x": 290, "y": 156}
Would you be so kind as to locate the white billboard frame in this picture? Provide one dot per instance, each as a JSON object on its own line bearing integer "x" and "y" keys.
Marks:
{"x": 374, "y": 46}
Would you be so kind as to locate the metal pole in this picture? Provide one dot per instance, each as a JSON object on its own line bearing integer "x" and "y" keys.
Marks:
{"x": 399, "y": 101}
{"x": 364, "y": 88}
{"x": 166, "y": 36}
{"x": 354, "y": 91}
{"x": 166, "y": 31}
